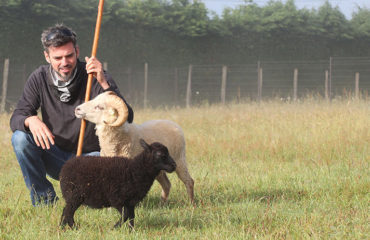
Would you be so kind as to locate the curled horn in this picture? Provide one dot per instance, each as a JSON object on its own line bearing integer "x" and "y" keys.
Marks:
{"x": 119, "y": 105}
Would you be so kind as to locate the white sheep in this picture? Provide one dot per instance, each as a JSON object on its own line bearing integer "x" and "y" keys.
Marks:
{"x": 120, "y": 138}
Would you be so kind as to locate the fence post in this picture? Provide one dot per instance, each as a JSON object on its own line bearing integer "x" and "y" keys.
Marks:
{"x": 145, "y": 84}
{"x": 238, "y": 95}
{"x": 326, "y": 84}
{"x": 176, "y": 86}
{"x": 129, "y": 81}
{"x": 330, "y": 76}
{"x": 260, "y": 79}
{"x": 357, "y": 85}
{"x": 295, "y": 84}
{"x": 188, "y": 88}
{"x": 5, "y": 85}
{"x": 24, "y": 77}
{"x": 223, "y": 84}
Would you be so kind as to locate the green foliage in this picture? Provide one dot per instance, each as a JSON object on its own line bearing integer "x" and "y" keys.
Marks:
{"x": 185, "y": 31}
{"x": 179, "y": 17}
{"x": 332, "y": 23}
{"x": 361, "y": 23}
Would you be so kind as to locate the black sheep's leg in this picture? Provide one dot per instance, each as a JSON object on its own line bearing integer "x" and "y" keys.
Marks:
{"x": 131, "y": 216}
{"x": 125, "y": 214}
{"x": 68, "y": 213}
{"x": 63, "y": 220}
{"x": 120, "y": 221}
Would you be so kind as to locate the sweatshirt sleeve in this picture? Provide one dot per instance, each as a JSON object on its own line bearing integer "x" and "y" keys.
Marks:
{"x": 27, "y": 105}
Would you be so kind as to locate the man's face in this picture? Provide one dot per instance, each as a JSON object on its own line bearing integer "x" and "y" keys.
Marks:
{"x": 63, "y": 59}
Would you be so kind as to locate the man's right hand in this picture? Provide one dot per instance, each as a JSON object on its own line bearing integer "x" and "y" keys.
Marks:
{"x": 41, "y": 133}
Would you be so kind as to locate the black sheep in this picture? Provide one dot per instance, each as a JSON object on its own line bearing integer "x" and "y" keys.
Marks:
{"x": 117, "y": 182}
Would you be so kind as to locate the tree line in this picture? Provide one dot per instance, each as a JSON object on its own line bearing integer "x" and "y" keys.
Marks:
{"x": 179, "y": 32}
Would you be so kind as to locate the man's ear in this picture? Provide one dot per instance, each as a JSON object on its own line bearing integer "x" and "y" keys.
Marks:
{"x": 47, "y": 57}
{"x": 77, "y": 51}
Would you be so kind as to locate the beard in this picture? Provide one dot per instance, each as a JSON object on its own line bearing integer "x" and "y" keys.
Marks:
{"x": 65, "y": 77}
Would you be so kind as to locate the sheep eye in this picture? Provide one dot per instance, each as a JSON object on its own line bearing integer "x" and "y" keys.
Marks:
{"x": 158, "y": 154}
{"x": 98, "y": 107}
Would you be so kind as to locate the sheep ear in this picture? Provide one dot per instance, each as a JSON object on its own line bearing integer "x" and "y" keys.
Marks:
{"x": 144, "y": 144}
{"x": 110, "y": 116}
{"x": 119, "y": 106}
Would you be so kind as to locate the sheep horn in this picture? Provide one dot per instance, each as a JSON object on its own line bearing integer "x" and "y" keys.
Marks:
{"x": 119, "y": 105}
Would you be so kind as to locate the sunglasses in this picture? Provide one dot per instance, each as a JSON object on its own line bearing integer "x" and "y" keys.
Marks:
{"x": 58, "y": 33}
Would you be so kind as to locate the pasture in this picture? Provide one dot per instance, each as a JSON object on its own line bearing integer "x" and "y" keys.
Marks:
{"x": 262, "y": 171}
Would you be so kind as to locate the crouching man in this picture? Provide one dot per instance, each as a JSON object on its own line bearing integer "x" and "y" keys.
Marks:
{"x": 43, "y": 145}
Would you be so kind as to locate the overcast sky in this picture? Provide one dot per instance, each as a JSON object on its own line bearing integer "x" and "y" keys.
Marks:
{"x": 347, "y": 7}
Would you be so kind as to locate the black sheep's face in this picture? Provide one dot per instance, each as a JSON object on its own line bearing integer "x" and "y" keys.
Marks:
{"x": 161, "y": 159}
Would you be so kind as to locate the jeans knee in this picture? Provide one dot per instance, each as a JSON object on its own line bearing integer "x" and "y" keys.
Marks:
{"x": 21, "y": 140}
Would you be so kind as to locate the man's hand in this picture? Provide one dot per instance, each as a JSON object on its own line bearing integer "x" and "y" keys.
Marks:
{"x": 96, "y": 68}
{"x": 41, "y": 133}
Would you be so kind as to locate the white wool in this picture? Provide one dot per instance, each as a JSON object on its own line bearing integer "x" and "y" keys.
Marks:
{"x": 124, "y": 140}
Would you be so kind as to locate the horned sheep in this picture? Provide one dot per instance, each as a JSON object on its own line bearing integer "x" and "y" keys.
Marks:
{"x": 116, "y": 182}
{"x": 117, "y": 137}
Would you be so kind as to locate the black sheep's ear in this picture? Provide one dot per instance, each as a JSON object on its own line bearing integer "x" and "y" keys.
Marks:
{"x": 144, "y": 144}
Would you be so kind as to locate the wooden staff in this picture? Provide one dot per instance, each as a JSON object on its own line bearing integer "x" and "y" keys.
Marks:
{"x": 90, "y": 76}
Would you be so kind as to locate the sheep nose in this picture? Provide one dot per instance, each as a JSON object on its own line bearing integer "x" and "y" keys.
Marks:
{"x": 78, "y": 112}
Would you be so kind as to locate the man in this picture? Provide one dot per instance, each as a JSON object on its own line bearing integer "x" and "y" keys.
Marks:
{"x": 43, "y": 145}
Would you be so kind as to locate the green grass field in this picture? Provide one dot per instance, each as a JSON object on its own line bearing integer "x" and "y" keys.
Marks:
{"x": 262, "y": 171}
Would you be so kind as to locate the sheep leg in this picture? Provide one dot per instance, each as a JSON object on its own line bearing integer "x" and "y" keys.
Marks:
{"x": 130, "y": 210}
{"x": 68, "y": 213}
{"x": 63, "y": 220}
{"x": 127, "y": 213}
{"x": 183, "y": 173}
{"x": 120, "y": 221}
{"x": 166, "y": 185}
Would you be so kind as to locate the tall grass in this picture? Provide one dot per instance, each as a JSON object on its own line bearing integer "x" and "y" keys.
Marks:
{"x": 262, "y": 171}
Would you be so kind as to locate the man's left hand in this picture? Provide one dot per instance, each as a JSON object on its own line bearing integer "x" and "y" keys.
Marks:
{"x": 94, "y": 66}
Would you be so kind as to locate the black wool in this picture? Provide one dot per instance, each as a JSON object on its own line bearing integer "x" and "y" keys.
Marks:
{"x": 117, "y": 182}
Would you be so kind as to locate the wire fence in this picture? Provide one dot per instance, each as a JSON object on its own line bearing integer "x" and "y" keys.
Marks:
{"x": 199, "y": 84}
{"x": 332, "y": 78}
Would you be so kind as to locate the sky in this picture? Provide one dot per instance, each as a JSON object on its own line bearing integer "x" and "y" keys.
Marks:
{"x": 347, "y": 7}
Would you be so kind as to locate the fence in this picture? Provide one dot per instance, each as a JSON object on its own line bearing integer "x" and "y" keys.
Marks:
{"x": 144, "y": 86}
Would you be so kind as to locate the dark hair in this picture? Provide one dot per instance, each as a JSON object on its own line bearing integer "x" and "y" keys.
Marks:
{"x": 57, "y": 36}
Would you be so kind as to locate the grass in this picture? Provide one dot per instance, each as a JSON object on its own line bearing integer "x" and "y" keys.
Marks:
{"x": 262, "y": 171}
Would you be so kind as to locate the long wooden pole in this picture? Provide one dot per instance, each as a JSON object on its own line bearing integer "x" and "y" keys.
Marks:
{"x": 90, "y": 76}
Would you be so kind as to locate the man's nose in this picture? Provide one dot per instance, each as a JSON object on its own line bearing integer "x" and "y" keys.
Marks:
{"x": 64, "y": 61}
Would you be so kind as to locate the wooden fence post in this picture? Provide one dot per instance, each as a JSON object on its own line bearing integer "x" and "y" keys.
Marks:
{"x": 295, "y": 84}
{"x": 260, "y": 80}
{"x": 327, "y": 85}
{"x": 5, "y": 85}
{"x": 24, "y": 77}
{"x": 330, "y": 77}
{"x": 176, "y": 86}
{"x": 238, "y": 96}
{"x": 129, "y": 81}
{"x": 188, "y": 88}
{"x": 223, "y": 84}
{"x": 145, "y": 84}
{"x": 357, "y": 85}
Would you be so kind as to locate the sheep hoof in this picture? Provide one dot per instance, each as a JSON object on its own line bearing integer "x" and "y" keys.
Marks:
{"x": 117, "y": 225}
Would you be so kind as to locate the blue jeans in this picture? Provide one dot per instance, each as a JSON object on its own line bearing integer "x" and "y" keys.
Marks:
{"x": 36, "y": 163}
